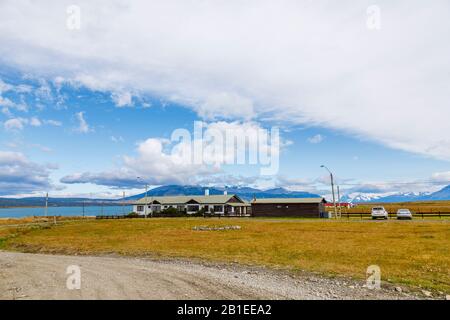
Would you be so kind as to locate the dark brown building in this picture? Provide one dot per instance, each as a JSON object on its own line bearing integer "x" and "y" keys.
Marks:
{"x": 289, "y": 207}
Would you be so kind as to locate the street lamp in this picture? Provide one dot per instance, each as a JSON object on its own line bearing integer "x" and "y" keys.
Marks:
{"x": 146, "y": 198}
{"x": 332, "y": 189}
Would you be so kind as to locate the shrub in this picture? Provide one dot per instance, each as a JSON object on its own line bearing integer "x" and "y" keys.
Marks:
{"x": 169, "y": 212}
{"x": 132, "y": 215}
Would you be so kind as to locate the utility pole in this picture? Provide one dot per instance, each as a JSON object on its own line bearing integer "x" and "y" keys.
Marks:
{"x": 123, "y": 203}
{"x": 146, "y": 198}
{"x": 146, "y": 201}
{"x": 339, "y": 202}
{"x": 46, "y": 205}
{"x": 332, "y": 189}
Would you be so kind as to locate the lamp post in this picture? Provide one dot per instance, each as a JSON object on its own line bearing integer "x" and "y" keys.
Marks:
{"x": 146, "y": 198}
{"x": 332, "y": 189}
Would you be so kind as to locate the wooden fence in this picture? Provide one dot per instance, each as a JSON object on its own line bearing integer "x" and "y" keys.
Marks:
{"x": 101, "y": 217}
{"x": 344, "y": 215}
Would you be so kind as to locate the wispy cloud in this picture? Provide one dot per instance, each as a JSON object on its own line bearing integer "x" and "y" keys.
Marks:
{"x": 15, "y": 124}
{"x": 122, "y": 99}
{"x": 117, "y": 139}
{"x": 318, "y": 138}
{"x": 83, "y": 126}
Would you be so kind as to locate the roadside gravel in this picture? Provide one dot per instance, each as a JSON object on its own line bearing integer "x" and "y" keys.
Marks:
{"x": 38, "y": 276}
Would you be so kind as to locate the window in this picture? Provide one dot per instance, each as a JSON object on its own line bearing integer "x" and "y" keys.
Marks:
{"x": 180, "y": 208}
{"x": 140, "y": 208}
{"x": 192, "y": 208}
{"x": 218, "y": 208}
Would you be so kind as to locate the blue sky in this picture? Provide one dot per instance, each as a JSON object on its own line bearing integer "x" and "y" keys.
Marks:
{"x": 82, "y": 114}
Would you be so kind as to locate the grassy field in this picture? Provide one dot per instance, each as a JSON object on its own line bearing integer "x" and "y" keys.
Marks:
{"x": 414, "y": 253}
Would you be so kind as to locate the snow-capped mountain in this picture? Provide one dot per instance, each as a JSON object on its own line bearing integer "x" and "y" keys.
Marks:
{"x": 443, "y": 194}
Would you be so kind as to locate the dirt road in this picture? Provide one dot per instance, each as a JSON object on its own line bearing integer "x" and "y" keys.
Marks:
{"x": 36, "y": 276}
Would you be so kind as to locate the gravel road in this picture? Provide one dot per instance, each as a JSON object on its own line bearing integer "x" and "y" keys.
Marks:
{"x": 38, "y": 276}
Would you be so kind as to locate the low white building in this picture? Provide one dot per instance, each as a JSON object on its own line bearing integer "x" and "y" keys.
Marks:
{"x": 217, "y": 204}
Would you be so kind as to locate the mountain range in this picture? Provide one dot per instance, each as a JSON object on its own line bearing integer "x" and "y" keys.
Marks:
{"x": 246, "y": 193}
{"x": 443, "y": 194}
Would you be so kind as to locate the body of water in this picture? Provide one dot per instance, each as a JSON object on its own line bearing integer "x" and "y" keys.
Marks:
{"x": 64, "y": 211}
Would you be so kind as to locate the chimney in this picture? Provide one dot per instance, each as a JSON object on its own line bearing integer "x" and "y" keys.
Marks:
{"x": 225, "y": 193}
{"x": 206, "y": 192}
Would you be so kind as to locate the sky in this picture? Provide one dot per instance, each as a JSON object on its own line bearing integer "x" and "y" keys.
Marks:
{"x": 92, "y": 93}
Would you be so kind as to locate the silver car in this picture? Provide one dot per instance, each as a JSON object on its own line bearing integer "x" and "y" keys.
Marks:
{"x": 379, "y": 212}
{"x": 404, "y": 214}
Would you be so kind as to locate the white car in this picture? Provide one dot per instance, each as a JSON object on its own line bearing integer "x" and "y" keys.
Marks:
{"x": 404, "y": 214}
{"x": 379, "y": 212}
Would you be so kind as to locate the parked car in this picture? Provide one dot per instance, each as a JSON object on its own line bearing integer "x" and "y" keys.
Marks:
{"x": 379, "y": 212}
{"x": 404, "y": 214}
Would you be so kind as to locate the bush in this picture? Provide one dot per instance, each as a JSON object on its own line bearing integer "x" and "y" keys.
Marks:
{"x": 132, "y": 215}
{"x": 169, "y": 212}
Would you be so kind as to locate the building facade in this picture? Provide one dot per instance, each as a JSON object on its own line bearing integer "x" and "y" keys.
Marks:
{"x": 225, "y": 204}
{"x": 289, "y": 207}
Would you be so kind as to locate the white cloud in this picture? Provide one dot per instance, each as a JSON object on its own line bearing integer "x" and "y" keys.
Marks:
{"x": 312, "y": 62}
{"x": 19, "y": 123}
{"x": 20, "y": 175}
{"x": 15, "y": 124}
{"x": 35, "y": 122}
{"x": 161, "y": 161}
{"x": 318, "y": 138}
{"x": 151, "y": 163}
{"x": 122, "y": 99}
{"x": 53, "y": 123}
{"x": 117, "y": 139}
{"x": 226, "y": 105}
{"x": 83, "y": 126}
{"x": 441, "y": 177}
{"x": 5, "y": 102}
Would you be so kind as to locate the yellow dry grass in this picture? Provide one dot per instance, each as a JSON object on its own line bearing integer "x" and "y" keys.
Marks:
{"x": 414, "y": 253}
